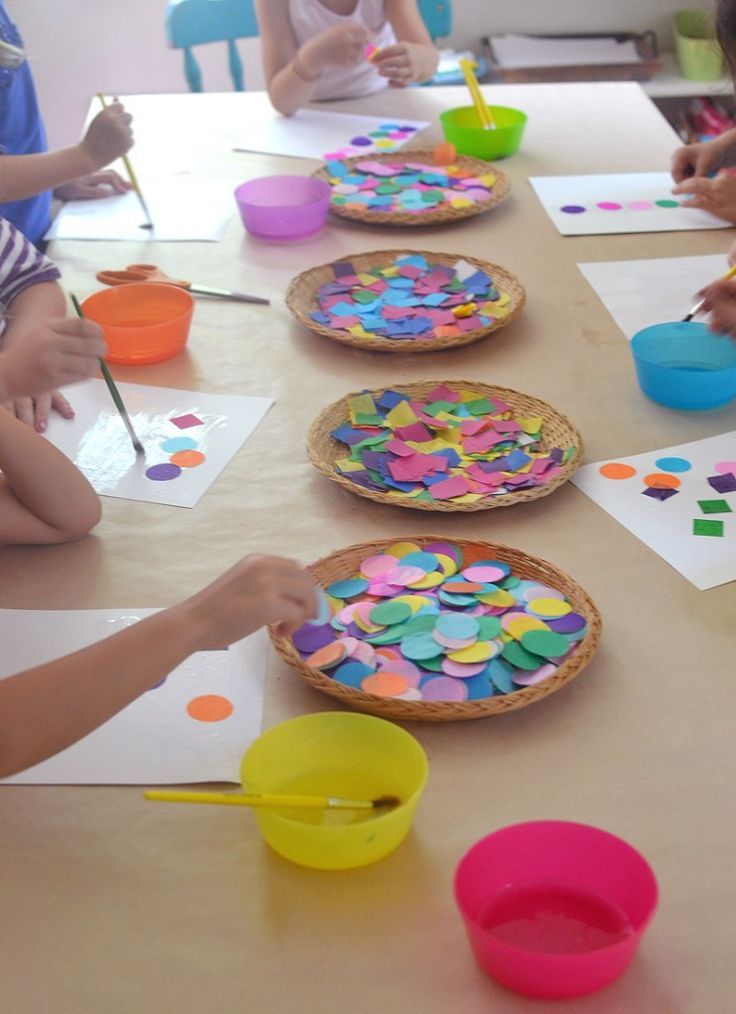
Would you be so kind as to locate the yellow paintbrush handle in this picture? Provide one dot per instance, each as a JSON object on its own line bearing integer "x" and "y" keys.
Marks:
{"x": 486, "y": 120}
{"x": 236, "y": 799}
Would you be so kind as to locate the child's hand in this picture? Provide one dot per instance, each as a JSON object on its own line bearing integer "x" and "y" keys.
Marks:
{"x": 696, "y": 160}
{"x": 400, "y": 63}
{"x": 720, "y": 301}
{"x": 717, "y": 195}
{"x": 340, "y": 46}
{"x": 88, "y": 188}
{"x": 256, "y": 591}
{"x": 108, "y": 136}
{"x": 56, "y": 353}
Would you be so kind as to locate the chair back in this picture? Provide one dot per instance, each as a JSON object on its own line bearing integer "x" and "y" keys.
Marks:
{"x": 437, "y": 16}
{"x": 196, "y": 22}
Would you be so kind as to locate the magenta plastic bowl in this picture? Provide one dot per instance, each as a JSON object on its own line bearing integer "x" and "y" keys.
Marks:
{"x": 554, "y": 909}
{"x": 283, "y": 207}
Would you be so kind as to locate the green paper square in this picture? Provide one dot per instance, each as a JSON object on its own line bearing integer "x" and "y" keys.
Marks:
{"x": 481, "y": 406}
{"x": 714, "y": 506}
{"x": 703, "y": 527}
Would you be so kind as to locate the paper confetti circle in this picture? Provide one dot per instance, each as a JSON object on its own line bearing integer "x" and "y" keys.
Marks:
{"x": 404, "y": 667}
{"x": 445, "y": 446}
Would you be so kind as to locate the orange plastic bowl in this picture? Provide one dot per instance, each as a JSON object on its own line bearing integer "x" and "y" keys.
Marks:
{"x": 143, "y": 322}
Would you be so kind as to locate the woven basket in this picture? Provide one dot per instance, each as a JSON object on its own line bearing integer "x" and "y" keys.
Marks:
{"x": 346, "y": 561}
{"x": 501, "y": 190}
{"x": 301, "y": 300}
{"x": 557, "y": 431}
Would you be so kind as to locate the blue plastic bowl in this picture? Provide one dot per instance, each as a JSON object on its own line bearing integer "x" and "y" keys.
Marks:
{"x": 685, "y": 365}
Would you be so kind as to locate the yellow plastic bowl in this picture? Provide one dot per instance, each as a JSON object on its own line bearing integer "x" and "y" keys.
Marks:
{"x": 460, "y": 126}
{"x": 143, "y": 322}
{"x": 335, "y": 753}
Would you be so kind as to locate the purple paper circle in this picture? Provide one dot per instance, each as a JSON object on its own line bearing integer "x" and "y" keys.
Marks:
{"x": 361, "y": 141}
{"x": 163, "y": 472}
{"x": 572, "y": 209}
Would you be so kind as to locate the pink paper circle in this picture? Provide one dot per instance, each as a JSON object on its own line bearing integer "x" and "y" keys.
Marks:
{"x": 640, "y": 205}
{"x": 444, "y": 688}
{"x": 462, "y": 670}
{"x": 377, "y": 566}
{"x": 726, "y": 467}
{"x": 609, "y": 206}
{"x": 485, "y": 575}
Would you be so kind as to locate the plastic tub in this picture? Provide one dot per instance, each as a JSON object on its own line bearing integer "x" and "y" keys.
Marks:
{"x": 143, "y": 322}
{"x": 283, "y": 208}
{"x": 460, "y": 126}
{"x": 336, "y": 753}
{"x": 685, "y": 365}
{"x": 554, "y": 909}
{"x": 698, "y": 53}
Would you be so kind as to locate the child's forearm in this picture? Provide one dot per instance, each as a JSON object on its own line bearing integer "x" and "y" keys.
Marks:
{"x": 47, "y": 708}
{"x": 35, "y": 306}
{"x": 292, "y": 87}
{"x": 44, "y": 498}
{"x": 24, "y": 176}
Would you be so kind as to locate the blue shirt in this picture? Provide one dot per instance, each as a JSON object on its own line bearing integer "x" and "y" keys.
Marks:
{"x": 21, "y": 133}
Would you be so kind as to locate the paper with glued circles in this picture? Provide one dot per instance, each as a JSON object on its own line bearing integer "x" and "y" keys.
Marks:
{"x": 604, "y": 204}
{"x": 155, "y": 740}
{"x": 664, "y": 519}
{"x": 188, "y": 437}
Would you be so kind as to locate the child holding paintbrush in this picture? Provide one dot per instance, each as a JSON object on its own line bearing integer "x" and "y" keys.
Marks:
{"x": 693, "y": 169}
{"x": 316, "y": 49}
{"x": 28, "y": 172}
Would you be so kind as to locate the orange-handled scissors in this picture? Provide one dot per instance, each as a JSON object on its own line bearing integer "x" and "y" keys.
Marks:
{"x": 152, "y": 273}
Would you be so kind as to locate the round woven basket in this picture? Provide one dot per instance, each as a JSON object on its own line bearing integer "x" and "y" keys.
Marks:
{"x": 346, "y": 561}
{"x": 557, "y": 431}
{"x": 501, "y": 190}
{"x": 301, "y": 299}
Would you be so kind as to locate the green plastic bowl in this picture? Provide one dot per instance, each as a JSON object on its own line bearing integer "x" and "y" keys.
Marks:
{"x": 460, "y": 126}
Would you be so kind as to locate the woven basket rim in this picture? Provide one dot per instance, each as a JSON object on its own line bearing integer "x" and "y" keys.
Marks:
{"x": 325, "y": 463}
{"x": 310, "y": 278}
{"x": 501, "y": 190}
{"x": 442, "y": 711}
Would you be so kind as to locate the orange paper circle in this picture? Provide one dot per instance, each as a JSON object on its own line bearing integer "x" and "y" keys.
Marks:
{"x": 660, "y": 480}
{"x": 616, "y": 470}
{"x": 329, "y": 655}
{"x": 210, "y": 708}
{"x": 187, "y": 459}
{"x": 444, "y": 154}
{"x": 385, "y": 684}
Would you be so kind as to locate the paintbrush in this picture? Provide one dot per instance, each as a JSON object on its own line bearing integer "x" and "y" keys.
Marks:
{"x": 114, "y": 393}
{"x": 484, "y": 113}
{"x": 699, "y": 305}
{"x": 286, "y": 802}
{"x": 133, "y": 178}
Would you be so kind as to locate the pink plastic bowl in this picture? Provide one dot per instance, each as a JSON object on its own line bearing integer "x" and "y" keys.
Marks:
{"x": 554, "y": 909}
{"x": 283, "y": 207}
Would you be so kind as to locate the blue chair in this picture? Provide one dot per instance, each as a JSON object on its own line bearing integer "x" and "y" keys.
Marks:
{"x": 437, "y": 16}
{"x": 195, "y": 22}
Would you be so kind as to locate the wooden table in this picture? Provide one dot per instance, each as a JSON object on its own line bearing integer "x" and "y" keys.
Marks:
{"x": 113, "y": 906}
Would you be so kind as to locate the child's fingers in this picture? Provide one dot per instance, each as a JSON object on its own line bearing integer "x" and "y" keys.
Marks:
{"x": 23, "y": 409}
{"x": 60, "y": 404}
{"x": 42, "y": 409}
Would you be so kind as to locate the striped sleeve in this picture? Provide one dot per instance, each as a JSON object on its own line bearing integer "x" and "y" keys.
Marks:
{"x": 21, "y": 264}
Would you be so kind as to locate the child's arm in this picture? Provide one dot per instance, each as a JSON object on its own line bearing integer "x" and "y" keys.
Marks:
{"x": 719, "y": 299}
{"x": 292, "y": 72}
{"x": 44, "y": 498}
{"x": 108, "y": 137}
{"x": 413, "y": 58}
{"x": 46, "y": 709}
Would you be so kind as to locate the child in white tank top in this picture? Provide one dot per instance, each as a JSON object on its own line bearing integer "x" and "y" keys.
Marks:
{"x": 316, "y": 49}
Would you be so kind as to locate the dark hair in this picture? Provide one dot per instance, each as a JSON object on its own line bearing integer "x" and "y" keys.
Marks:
{"x": 726, "y": 31}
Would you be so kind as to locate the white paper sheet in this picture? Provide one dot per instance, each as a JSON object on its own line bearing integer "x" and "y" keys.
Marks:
{"x": 638, "y": 294}
{"x": 97, "y": 441}
{"x": 181, "y": 209}
{"x": 667, "y": 527}
{"x": 531, "y": 51}
{"x": 154, "y": 740}
{"x": 313, "y": 134}
{"x": 632, "y": 198}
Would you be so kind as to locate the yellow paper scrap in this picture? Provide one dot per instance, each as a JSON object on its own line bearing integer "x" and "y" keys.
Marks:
{"x": 401, "y": 415}
{"x": 531, "y": 425}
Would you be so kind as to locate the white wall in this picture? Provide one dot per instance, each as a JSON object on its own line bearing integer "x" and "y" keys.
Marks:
{"x": 78, "y": 47}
